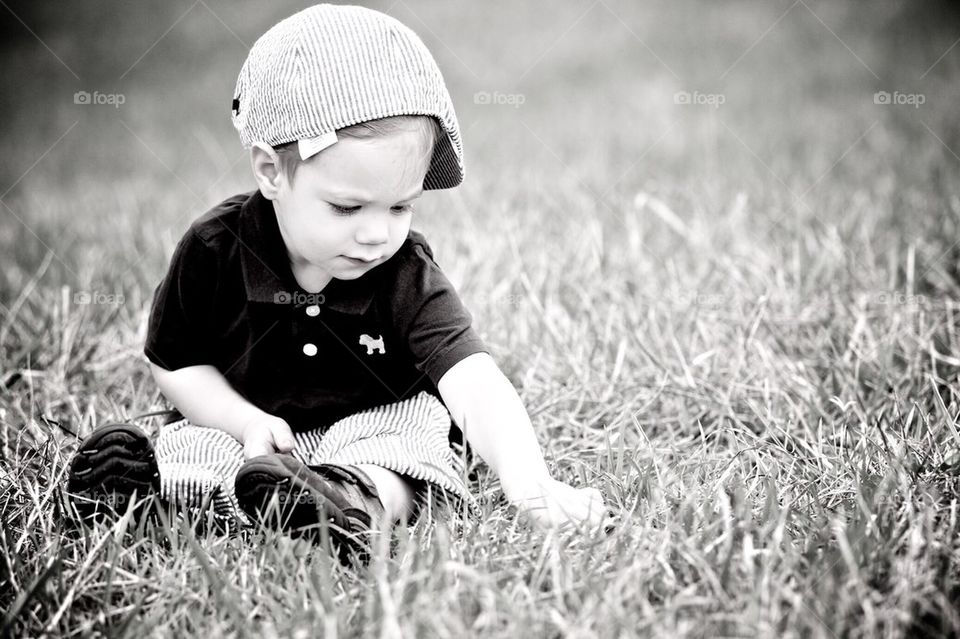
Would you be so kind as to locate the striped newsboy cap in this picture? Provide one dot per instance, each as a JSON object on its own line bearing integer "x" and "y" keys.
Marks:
{"x": 332, "y": 66}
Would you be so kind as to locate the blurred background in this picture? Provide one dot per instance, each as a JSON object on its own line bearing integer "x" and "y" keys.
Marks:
{"x": 639, "y": 144}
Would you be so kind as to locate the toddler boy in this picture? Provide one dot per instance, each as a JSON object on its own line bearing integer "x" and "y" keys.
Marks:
{"x": 304, "y": 332}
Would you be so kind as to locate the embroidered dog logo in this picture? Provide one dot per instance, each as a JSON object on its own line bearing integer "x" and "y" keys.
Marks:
{"x": 373, "y": 344}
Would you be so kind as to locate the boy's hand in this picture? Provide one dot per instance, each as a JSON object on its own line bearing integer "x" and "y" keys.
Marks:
{"x": 552, "y": 503}
{"x": 266, "y": 435}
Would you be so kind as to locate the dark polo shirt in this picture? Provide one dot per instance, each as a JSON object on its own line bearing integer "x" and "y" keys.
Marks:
{"x": 230, "y": 300}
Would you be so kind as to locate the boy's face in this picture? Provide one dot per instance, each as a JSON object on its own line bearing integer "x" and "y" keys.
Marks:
{"x": 349, "y": 207}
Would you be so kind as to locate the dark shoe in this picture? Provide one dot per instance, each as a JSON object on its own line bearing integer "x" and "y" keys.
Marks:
{"x": 113, "y": 464}
{"x": 342, "y": 496}
{"x": 363, "y": 507}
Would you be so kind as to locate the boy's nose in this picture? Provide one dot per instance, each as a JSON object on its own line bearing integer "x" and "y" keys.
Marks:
{"x": 373, "y": 232}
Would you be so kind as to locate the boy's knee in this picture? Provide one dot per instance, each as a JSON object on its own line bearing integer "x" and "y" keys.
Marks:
{"x": 184, "y": 443}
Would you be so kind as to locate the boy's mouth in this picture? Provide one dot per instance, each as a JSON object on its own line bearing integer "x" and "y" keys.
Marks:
{"x": 359, "y": 261}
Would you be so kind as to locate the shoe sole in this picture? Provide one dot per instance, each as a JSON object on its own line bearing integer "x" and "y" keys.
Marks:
{"x": 113, "y": 462}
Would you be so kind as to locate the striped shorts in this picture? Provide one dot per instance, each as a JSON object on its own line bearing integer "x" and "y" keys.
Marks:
{"x": 198, "y": 465}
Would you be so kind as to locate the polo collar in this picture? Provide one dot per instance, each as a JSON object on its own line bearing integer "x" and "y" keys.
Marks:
{"x": 266, "y": 268}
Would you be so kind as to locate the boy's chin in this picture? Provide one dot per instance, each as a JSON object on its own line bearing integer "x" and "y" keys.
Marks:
{"x": 353, "y": 273}
{"x": 349, "y": 269}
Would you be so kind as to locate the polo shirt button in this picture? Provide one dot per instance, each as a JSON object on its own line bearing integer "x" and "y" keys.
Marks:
{"x": 313, "y": 310}
{"x": 309, "y": 350}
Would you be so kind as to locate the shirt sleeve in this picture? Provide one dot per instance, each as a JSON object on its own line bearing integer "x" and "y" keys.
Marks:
{"x": 179, "y": 330}
{"x": 429, "y": 314}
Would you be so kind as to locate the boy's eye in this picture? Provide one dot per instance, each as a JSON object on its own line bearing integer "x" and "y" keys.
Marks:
{"x": 343, "y": 210}
{"x": 349, "y": 210}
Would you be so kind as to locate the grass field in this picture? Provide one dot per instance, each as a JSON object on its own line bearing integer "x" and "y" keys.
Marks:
{"x": 721, "y": 269}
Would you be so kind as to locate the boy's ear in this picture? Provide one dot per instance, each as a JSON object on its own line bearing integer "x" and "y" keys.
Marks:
{"x": 266, "y": 169}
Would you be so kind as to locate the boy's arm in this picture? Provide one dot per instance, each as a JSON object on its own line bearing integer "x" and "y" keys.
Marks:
{"x": 485, "y": 405}
{"x": 206, "y": 398}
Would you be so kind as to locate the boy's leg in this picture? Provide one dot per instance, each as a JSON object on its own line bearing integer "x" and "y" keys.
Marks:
{"x": 198, "y": 466}
{"x": 364, "y": 470}
{"x": 396, "y": 494}
{"x": 403, "y": 448}
{"x": 284, "y": 493}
